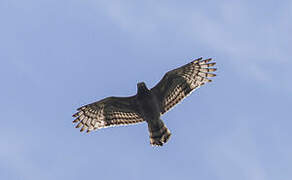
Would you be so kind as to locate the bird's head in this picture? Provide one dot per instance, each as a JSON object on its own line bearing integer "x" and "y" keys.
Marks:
{"x": 141, "y": 84}
{"x": 142, "y": 88}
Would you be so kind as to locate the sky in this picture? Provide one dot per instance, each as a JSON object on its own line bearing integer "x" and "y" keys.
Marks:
{"x": 57, "y": 55}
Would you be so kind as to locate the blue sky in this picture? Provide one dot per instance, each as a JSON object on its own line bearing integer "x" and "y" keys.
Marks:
{"x": 59, "y": 55}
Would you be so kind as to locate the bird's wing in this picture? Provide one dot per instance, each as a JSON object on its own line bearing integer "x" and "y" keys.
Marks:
{"x": 180, "y": 82}
{"x": 111, "y": 111}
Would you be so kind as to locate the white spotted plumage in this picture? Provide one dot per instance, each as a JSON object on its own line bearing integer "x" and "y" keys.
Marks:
{"x": 106, "y": 113}
{"x": 182, "y": 81}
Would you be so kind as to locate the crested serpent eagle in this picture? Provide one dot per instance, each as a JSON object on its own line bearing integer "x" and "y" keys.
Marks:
{"x": 148, "y": 104}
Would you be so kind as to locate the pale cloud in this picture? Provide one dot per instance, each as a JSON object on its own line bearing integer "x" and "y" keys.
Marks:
{"x": 126, "y": 16}
{"x": 236, "y": 32}
{"x": 237, "y": 150}
{"x": 15, "y": 155}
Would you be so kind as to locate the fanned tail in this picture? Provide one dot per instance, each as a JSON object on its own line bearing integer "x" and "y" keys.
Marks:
{"x": 159, "y": 134}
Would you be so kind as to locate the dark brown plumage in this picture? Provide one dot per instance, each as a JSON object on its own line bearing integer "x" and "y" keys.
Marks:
{"x": 147, "y": 105}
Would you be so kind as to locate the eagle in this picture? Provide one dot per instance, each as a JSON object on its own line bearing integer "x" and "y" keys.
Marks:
{"x": 148, "y": 104}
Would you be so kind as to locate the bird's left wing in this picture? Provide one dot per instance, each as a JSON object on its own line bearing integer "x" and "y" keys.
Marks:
{"x": 111, "y": 111}
{"x": 180, "y": 82}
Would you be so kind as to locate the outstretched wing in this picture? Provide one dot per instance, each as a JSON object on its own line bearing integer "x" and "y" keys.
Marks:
{"x": 111, "y": 111}
{"x": 180, "y": 82}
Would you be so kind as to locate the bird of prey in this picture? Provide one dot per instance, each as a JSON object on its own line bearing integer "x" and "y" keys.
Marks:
{"x": 148, "y": 104}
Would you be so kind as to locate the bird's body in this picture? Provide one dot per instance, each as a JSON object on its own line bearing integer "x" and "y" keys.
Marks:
{"x": 148, "y": 104}
{"x": 148, "y": 107}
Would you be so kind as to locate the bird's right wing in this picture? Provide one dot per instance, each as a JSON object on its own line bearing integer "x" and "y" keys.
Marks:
{"x": 111, "y": 111}
{"x": 180, "y": 82}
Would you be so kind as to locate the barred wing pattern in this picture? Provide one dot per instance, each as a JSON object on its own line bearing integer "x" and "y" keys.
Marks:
{"x": 111, "y": 111}
{"x": 180, "y": 82}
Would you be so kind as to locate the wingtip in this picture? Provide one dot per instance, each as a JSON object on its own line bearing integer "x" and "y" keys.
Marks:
{"x": 207, "y": 60}
{"x": 78, "y": 125}
{"x": 211, "y": 75}
{"x": 212, "y": 64}
{"x": 76, "y": 120}
{"x": 208, "y": 80}
{"x": 197, "y": 60}
{"x": 82, "y": 129}
{"x": 75, "y": 115}
{"x": 212, "y": 69}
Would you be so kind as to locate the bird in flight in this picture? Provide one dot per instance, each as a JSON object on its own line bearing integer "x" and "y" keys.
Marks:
{"x": 148, "y": 104}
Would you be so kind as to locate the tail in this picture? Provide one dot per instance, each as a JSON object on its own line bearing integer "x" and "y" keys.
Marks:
{"x": 159, "y": 134}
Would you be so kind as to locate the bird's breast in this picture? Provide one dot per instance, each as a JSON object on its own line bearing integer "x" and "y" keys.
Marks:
{"x": 149, "y": 107}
